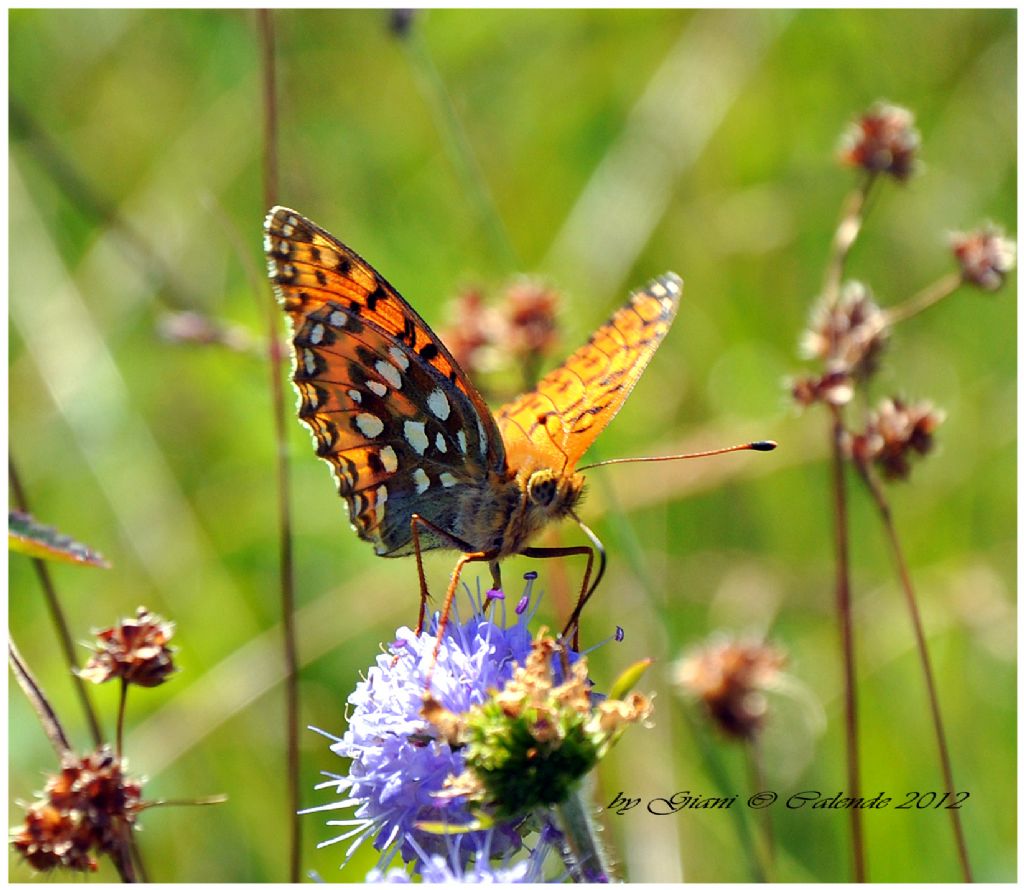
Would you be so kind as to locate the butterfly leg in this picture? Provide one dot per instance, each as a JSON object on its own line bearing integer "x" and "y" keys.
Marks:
{"x": 449, "y": 597}
{"x": 424, "y": 592}
{"x": 586, "y": 589}
{"x": 495, "y": 575}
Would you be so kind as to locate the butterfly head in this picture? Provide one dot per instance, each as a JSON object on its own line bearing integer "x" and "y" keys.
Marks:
{"x": 554, "y": 494}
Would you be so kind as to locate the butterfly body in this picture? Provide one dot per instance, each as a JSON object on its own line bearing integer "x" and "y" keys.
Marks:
{"x": 419, "y": 458}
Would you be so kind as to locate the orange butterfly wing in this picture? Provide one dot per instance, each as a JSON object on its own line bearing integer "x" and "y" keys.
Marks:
{"x": 400, "y": 424}
{"x": 554, "y": 424}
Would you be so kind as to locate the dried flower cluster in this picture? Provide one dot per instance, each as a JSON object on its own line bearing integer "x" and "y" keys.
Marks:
{"x": 848, "y": 338}
{"x": 530, "y": 310}
{"x": 472, "y": 336}
{"x": 729, "y": 678}
{"x": 135, "y": 651}
{"x": 521, "y": 330}
{"x": 848, "y": 334}
{"x": 530, "y": 743}
{"x": 985, "y": 256}
{"x": 86, "y": 809}
{"x": 894, "y": 432}
{"x": 882, "y": 140}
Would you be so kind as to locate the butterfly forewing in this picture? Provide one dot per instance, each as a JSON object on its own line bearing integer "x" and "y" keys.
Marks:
{"x": 387, "y": 405}
{"x": 555, "y": 423}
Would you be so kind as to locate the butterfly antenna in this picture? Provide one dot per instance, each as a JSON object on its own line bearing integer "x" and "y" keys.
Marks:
{"x": 764, "y": 445}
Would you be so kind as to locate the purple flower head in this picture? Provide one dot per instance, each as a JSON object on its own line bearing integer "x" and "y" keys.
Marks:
{"x": 453, "y": 866}
{"x": 397, "y": 765}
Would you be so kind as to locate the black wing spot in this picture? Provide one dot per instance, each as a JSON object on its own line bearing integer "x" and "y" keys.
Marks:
{"x": 371, "y": 299}
{"x": 321, "y": 278}
{"x": 314, "y": 252}
{"x": 344, "y": 266}
{"x": 374, "y": 462}
{"x": 428, "y": 351}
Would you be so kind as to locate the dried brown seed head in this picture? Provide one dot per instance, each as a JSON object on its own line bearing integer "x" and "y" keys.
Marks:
{"x": 985, "y": 256}
{"x": 729, "y": 678}
{"x": 882, "y": 140}
{"x": 135, "y": 650}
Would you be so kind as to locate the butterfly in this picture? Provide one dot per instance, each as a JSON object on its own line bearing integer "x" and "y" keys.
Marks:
{"x": 417, "y": 455}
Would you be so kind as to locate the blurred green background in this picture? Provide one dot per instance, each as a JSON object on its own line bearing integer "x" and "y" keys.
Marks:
{"x": 615, "y": 145}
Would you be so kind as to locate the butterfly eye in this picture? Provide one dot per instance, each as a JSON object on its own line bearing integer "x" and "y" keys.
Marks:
{"x": 542, "y": 488}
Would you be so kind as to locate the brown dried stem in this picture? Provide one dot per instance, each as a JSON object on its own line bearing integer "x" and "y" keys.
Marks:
{"x": 885, "y": 512}
{"x": 47, "y": 716}
{"x": 929, "y": 296}
{"x": 287, "y": 578}
{"x": 121, "y": 706}
{"x": 60, "y": 623}
{"x": 850, "y": 222}
{"x": 845, "y": 614}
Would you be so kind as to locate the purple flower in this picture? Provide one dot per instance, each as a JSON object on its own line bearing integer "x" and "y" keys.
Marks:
{"x": 453, "y": 868}
{"x": 397, "y": 764}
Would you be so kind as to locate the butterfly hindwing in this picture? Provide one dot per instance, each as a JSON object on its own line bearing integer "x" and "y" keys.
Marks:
{"x": 388, "y": 407}
{"x": 556, "y": 422}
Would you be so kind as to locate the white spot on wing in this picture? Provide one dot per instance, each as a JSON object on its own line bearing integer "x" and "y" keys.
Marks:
{"x": 483, "y": 437}
{"x": 415, "y": 435}
{"x": 462, "y": 440}
{"x": 448, "y": 480}
{"x": 401, "y": 359}
{"x": 369, "y": 425}
{"x": 442, "y": 446}
{"x": 316, "y": 335}
{"x": 377, "y": 387}
{"x": 309, "y": 361}
{"x": 390, "y": 373}
{"x": 389, "y": 459}
{"x": 337, "y": 318}
{"x": 421, "y": 479}
{"x": 355, "y": 395}
{"x": 382, "y": 496}
{"x": 437, "y": 402}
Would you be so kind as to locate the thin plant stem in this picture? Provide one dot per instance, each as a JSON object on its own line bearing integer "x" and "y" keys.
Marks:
{"x": 121, "y": 855}
{"x": 885, "y": 512}
{"x": 287, "y": 574}
{"x": 850, "y": 221}
{"x": 57, "y": 616}
{"x": 270, "y": 147}
{"x": 923, "y": 299}
{"x": 34, "y": 693}
{"x": 713, "y": 762}
{"x": 458, "y": 147}
{"x": 210, "y": 801}
{"x": 136, "y": 854}
{"x": 845, "y": 615}
{"x": 583, "y": 853}
{"x": 755, "y": 769}
{"x": 122, "y": 703}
